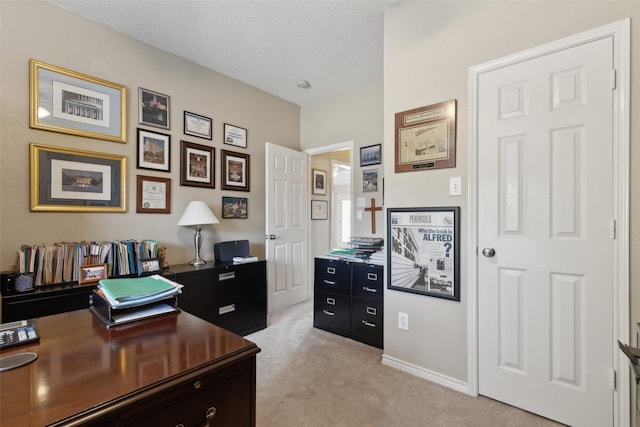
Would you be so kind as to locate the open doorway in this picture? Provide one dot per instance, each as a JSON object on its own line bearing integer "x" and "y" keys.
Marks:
{"x": 341, "y": 204}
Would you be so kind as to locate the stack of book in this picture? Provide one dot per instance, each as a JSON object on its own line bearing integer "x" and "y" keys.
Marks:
{"x": 119, "y": 301}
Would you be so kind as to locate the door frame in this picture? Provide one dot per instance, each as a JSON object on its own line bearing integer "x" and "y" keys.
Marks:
{"x": 620, "y": 31}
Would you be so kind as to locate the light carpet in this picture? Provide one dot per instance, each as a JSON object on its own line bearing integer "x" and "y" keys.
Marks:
{"x": 307, "y": 377}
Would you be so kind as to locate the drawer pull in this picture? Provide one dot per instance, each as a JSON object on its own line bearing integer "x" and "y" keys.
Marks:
{"x": 372, "y": 276}
{"x": 372, "y": 311}
{"x": 328, "y": 313}
{"x": 329, "y": 282}
{"x": 211, "y": 412}
{"x": 369, "y": 324}
{"x": 227, "y": 309}
{"x": 368, "y": 289}
{"x": 227, "y": 276}
{"x": 197, "y": 385}
{"x": 331, "y": 270}
{"x": 331, "y": 301}
{"x": 179, "y": 425}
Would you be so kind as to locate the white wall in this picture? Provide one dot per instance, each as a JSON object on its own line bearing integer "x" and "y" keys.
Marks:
{"x": 429, "y": 47}
{"x": 39, "y": 30}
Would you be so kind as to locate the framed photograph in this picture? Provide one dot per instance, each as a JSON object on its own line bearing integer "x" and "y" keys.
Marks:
{"x": 196, "y": 165}
{"x": 198, "y": 126}
{"x": 68, "y": 180}
{"x": 318, "y": 182}
{"x": 92, "y": 273}
{"x": 149, "y": 266}
{"x": 319, "y": 209}
{"x": 234, "y": 135}
{"x": 370, "y": 180}
{"x": 426, "y": 138}
{"x": 69, "y": 102}
{"x": 424, "y": 251}
{"x": 154, "y": 194}
{"x": 371, "y": 155}
{"x": 153, "y": 109}
{"x": 154, "y": 150}
{"x": 235, "y": 171}
{"x": 234, "y": 207}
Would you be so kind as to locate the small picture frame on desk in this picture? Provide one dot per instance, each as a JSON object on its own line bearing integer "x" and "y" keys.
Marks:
{"x": 149, "y": 266}
{"x": 92, "y": 273}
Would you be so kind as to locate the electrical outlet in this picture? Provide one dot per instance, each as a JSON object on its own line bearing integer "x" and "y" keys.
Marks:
{"x": 403, "y": 321}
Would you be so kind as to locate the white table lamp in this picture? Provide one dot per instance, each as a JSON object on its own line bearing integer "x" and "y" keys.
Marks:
{"x": 197, "y": 213}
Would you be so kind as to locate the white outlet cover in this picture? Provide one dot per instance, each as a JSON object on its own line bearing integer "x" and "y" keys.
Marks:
{"x": 455, "y": 186}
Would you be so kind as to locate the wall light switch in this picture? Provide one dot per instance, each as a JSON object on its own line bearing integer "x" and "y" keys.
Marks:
{"x": 359, "y": 214}
{"x": 360, "y": 202}
{"x": 455, "y": 186}
{"x": 403, "y": 321}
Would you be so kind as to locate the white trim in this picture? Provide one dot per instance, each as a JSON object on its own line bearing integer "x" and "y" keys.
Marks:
{"x": 426, "y": 374}
{"x": 620, "y": 31}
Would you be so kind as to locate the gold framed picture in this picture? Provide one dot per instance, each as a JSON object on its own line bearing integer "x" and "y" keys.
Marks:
{"x": 92, "y": 273}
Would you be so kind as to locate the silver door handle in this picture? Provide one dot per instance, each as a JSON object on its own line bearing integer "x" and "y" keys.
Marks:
{"x": 488, "y": 252}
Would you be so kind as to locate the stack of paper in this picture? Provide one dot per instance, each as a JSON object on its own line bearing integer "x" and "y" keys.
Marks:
{"x": 131, "y": 292}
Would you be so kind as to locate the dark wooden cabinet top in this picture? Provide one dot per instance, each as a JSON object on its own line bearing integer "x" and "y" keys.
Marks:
{"x": 85, "y": 371}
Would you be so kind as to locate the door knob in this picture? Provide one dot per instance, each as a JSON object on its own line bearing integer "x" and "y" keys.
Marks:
{"x": 488, "y": 252}
{"x": 272, "y": 237}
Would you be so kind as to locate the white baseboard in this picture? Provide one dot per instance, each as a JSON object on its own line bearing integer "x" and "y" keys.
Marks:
{"x": 426, "y": 374}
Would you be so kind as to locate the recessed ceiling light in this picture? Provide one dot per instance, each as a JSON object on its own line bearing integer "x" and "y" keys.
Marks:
{"x": 303, "y": 84}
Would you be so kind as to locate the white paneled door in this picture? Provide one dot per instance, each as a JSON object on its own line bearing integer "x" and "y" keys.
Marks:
{"x": 286, "y": 213}
{"x": 545, "y": 234}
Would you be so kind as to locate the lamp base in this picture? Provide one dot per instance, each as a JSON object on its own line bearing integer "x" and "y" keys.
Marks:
{"x": 197, "y": 261}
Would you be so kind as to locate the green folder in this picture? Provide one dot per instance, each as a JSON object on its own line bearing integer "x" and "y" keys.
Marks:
{"x": 134, "y": 288}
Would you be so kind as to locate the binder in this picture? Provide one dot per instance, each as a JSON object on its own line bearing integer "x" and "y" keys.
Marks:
{"x": 112, "y": 316}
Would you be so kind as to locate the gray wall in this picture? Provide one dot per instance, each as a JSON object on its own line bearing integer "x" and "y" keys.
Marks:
{"x": 36, "y": 29}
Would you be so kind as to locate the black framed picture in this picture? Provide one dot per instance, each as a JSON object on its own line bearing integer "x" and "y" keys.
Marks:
{"x": 154, "y": 109}
{"x": 234, "y": 207}
{"x": 154, "y": 150}
{"x": 424, "y": 251}
{"x": 197, "y": 163}
{"x": 198, "y": 126}
{"x": 371, "y": 155}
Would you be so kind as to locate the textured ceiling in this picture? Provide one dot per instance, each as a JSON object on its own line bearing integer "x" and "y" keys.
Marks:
{"x": 269, "y": 44}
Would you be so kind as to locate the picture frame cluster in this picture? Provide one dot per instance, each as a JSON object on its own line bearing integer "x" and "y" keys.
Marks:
{"x": 72, "y": 180}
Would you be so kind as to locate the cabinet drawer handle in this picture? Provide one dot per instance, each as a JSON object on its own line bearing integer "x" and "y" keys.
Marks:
{"x": 331, "y": 270}
{"x": 369, "y": 324}
{"x": 227, "y": 309}
{"x": 197, "y": 385}
{"x": 328, "y": 313}
{"x": 329, "y": 282}
{"x": 372, "y": 311}
{"x": 211, "y": 412}
{"x": 227, "y": 276}
{"x": 368, "y": 289}
{"x": 372, "y": 276}
{"x": 331, "y": 301}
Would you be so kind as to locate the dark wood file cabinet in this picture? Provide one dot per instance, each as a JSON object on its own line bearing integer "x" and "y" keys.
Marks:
{"x": 348, "y": 299}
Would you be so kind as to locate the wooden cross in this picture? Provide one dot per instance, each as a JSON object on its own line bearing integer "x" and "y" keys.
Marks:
{"x": 373, "y": 210}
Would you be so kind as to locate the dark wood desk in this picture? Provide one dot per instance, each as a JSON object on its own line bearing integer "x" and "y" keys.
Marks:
{"x": 163, "y": 372}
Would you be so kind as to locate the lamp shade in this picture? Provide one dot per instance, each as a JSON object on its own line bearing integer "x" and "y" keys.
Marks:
{"x": 197, "y": 213}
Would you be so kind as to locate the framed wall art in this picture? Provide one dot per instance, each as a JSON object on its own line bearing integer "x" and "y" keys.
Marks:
{"x": 154, "y": 194}
{"x": 197, "y": 165}
{"x": 69, "y": 102}
{"x": 235, "y": 171}
{"x": 318, "y": 182}
{"x": 69, "y": 180}
{"x": 148, "y": 266}
{"x": 235, "y": 135}
{"x": 154, "y": 109}
{"x": 319, "y": 209}
{"x": 234, "y": 207}
{"x": 370, "y": 180}
{"x": 154, "y": 150}
{"x": 424, "y": 251}
{"x": 198, "y": 126}
{"x": 371, "y": 155}
{"x": 426, "y": 138}
{"x": 92, "y": 273}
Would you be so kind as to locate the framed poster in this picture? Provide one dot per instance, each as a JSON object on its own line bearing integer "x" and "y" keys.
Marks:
{"x": 234, "y": 207}
{"x": 69, "y": 102}
{"x": 319, "y": 182}
{"x": 154, "y": 150}
{"x": 235, "y": 135}
{"x": 69, "y": 180}
{"x": 426, "y": 138}
{"x": 424, "y": 251}
{"x": 196, "y": 165}
{"x": 235, "y": 171}
{"x": 154, "y": 194}
{"x": 154, "y": 109}
{"x": 197, "y": 125}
